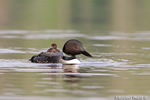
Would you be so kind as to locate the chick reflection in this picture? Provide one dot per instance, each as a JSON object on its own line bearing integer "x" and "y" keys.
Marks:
{"x": 71, "y": 73}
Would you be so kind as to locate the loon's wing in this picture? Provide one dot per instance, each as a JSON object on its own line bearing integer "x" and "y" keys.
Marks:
{"x": 47, "y": 57}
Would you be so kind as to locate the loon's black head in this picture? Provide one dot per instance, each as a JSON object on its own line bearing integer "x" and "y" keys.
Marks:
{"x": 74, "y": 47}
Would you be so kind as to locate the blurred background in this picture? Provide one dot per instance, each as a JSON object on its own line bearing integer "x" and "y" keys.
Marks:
{"x": 90, "y": 15}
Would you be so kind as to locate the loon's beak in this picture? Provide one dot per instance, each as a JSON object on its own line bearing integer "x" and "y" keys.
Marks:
{"x": 86, "y": 53}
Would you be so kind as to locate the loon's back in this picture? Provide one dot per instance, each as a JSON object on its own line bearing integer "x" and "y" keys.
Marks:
{"x": 47, "y": 57}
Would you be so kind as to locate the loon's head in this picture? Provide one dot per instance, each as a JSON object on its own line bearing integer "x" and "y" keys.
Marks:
{"x": 74, "y": 47}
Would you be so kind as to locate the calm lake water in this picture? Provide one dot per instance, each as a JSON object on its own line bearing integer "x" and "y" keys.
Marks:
{"x": 115, "y": 32}
{"x": 120, "y": 66}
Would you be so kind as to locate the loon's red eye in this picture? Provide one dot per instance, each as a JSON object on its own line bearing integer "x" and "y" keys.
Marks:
{"x": 75, "y": 47}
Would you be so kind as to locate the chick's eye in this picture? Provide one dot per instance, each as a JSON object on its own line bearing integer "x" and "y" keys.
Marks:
{"x": 75, "y": 47}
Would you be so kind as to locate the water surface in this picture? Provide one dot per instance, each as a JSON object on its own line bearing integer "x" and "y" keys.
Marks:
{"x": 120, "y": 66}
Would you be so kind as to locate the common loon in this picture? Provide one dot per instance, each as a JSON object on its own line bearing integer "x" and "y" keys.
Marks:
{"x": 53, "y": 55}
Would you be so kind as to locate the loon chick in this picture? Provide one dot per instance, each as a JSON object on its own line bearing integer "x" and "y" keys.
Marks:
{"x": 53, "y": 48}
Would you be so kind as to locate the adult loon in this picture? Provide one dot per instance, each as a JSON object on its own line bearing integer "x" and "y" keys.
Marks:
{"x": 53, "y": 55}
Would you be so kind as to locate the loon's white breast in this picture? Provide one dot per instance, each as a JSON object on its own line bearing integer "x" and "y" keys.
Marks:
{"x": 70, "y": 60}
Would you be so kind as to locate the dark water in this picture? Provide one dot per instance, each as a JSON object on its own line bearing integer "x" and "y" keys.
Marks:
{"x": 115, "y": 32}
